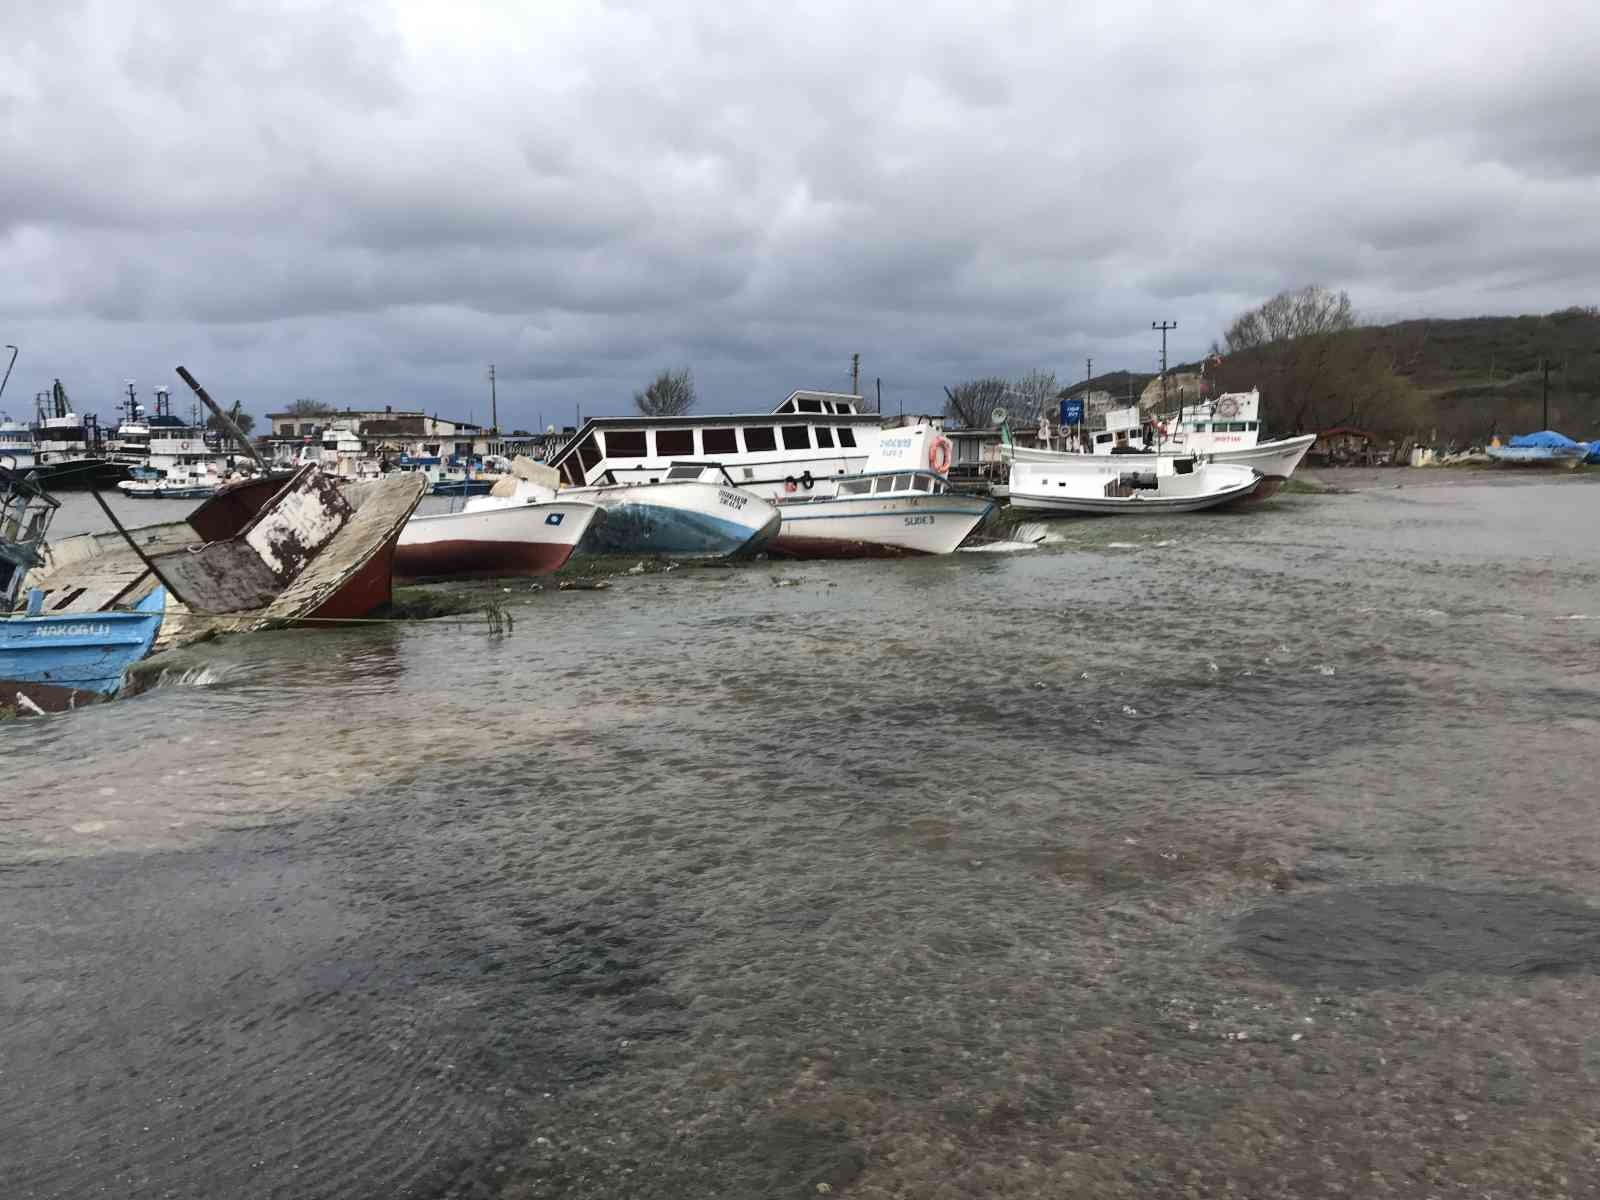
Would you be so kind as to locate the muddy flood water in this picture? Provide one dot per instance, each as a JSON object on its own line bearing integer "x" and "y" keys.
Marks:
{"x": 1249, "y": 855}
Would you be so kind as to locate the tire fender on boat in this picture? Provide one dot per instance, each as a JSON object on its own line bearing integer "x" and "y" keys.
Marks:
{"x": 807, "y": 482}
{"x": 939, "y": 456}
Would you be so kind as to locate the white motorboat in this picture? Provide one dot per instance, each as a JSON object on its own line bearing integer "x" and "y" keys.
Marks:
{"x": 493, "y": 537}
{"x": 1225, "y": 430}
{"x": 1106, "y": 484}
{"x": 695, "y": 511}
{"x": 901, "y": 504}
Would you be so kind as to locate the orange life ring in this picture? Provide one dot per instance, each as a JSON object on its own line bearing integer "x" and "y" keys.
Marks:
{"x": 183, "y": 445}
{"x": 939, "y": 456}
{"x": 789, "y": 485}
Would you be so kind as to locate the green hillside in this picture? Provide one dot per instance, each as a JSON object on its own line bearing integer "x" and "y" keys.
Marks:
{"x": 1459, "y": 379}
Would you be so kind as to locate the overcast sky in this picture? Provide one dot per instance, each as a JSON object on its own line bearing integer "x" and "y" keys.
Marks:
{"x": 370, "y": 202}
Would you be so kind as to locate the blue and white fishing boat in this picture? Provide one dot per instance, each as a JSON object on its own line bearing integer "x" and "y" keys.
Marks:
{"x": 1547, "y": 448}
{"x": 56, "y": 660}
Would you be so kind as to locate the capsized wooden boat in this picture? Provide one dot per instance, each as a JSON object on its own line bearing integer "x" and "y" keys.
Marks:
{"x": 266, "y": 552}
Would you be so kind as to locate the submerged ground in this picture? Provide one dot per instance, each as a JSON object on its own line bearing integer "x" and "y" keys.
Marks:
{"x": 1242, "y": 855}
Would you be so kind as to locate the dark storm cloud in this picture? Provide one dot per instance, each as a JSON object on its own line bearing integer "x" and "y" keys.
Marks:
{"x": 369, "y": 202}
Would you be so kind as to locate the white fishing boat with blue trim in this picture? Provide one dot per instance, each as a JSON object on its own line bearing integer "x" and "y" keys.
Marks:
{"x": 901, "y": 504}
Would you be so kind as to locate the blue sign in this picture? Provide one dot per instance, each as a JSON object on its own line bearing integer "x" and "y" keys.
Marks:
{"x": 554, "y": 518}
{"x": 1072, "y": 411}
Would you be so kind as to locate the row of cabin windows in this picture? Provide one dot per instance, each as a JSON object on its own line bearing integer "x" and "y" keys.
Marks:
{"x": 1225, "y": 426}
{"x": 818, "y": 406}
{"x": 891, "y": 483}
{"x": 680, "y": 443}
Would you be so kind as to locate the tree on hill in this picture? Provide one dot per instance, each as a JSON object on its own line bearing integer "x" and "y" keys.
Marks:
{"x": 670, "y": 394}
{"x": 1311, "y": 311}
{"x": 972, "y": 402}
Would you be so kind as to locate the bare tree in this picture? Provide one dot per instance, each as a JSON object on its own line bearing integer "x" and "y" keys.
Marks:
{"x": 1308, "y": 312}
{"x": 670, "y": 394}
{"x": 1033, "y": 394}
{"x": 973, "y": 401}
{"x": 308, "y": 407}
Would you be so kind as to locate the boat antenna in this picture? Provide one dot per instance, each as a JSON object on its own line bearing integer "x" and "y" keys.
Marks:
{"x": 9, "y": 365}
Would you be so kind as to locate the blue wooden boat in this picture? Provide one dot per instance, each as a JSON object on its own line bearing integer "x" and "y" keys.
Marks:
{"x": 56, "y": 661}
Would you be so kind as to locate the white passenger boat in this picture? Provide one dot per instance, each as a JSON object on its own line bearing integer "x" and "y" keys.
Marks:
{"x": 901, "y": 504}
{"x": 493, "y": 537}
{"x": 16, "y": 444}
{"x": 810, "y": 437}
{"x": 1107, "y": 484}
{"x": 178, "y": 463}
{"x": 1226, "y": 430}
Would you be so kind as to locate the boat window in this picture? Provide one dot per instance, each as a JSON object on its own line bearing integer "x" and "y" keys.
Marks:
{"x": 1100, "y": 439}
{"x": 588, "y": 452}
{"x": 671, "y": 442}
{"x": 625, "y": 443}
{"x": 797, "y": 437}
{"x": 760, "y": 437}
{"x": 810, "y": 406}
{"x": 1199, "y": 426}
{"x": 923, "y": 483}
{"x": 847, "y": 438}
{"x": 1250, "y": 426}
{"x": 684, "y": 472}
{"x": 719, "y": 441}
{"x": 827, "y": 406}
{"x": 855, "y": 487}
{"x": 824, "y": 438}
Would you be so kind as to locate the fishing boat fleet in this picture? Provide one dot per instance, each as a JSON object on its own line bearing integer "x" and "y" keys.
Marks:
{"x": 818, "y": 477}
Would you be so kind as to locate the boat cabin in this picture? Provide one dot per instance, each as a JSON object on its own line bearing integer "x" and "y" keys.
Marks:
{"x": 26, "y": 511}
{"x": 815, "y": 434}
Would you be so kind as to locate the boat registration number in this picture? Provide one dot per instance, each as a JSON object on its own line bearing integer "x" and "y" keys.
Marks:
{"x": 64, "y": 631}
{"x": 732, "y": 499}
{"x": 923, "y": 519}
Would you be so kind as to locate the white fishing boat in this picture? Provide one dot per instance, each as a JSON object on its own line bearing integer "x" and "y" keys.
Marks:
{"x": 1225, "y": 430}
{"x": 1101, "y": 485}
{"x": 178, "y": 464}
{"x": 16, "y": 444}
{"x": 694, "y": 512}
{"x": 493, "y": 537}
{"x": 810, "y": 437}
{"x": 900, "y": 505}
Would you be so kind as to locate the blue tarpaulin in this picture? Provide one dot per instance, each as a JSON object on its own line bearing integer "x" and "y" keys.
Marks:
{"x": 1547, "y": 438}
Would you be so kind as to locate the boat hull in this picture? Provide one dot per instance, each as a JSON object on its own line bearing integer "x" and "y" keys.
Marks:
{"x": 492, "y": 543}
{"x": 870, "y": 527}
{"x": 79, "y": 474}
{"x": 1075, "y": 490}
{"x": 1276, "y": 460}
{"x": 58, "y": 660}
{"x": 678, "y": 520}
{"x": 1537, "y": 456}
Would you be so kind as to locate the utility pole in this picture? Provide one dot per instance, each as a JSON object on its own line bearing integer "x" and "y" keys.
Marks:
{"x": 855, "y": 374}
{"x": 1163, "y": 326}
{"x": 1088, "y": 369}
{"x": 1544, "y": 366}
{"x": 494, "y": 405}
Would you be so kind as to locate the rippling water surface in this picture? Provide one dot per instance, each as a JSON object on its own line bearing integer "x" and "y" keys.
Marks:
{"x": 1253, "y": 852}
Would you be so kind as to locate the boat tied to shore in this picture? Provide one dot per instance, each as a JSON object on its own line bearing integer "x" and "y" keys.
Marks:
{"x": 1225, "y": 430}
{"x": 901, "y": 504}
{"x": 1101, "y": 485}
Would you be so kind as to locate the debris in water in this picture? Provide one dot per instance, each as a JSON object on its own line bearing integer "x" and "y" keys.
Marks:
{"x": 584, "y": 585}
{"x": 1129, "y": 710}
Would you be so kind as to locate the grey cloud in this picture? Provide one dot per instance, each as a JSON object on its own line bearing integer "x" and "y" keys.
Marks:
{"x": 370, "y": 202}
